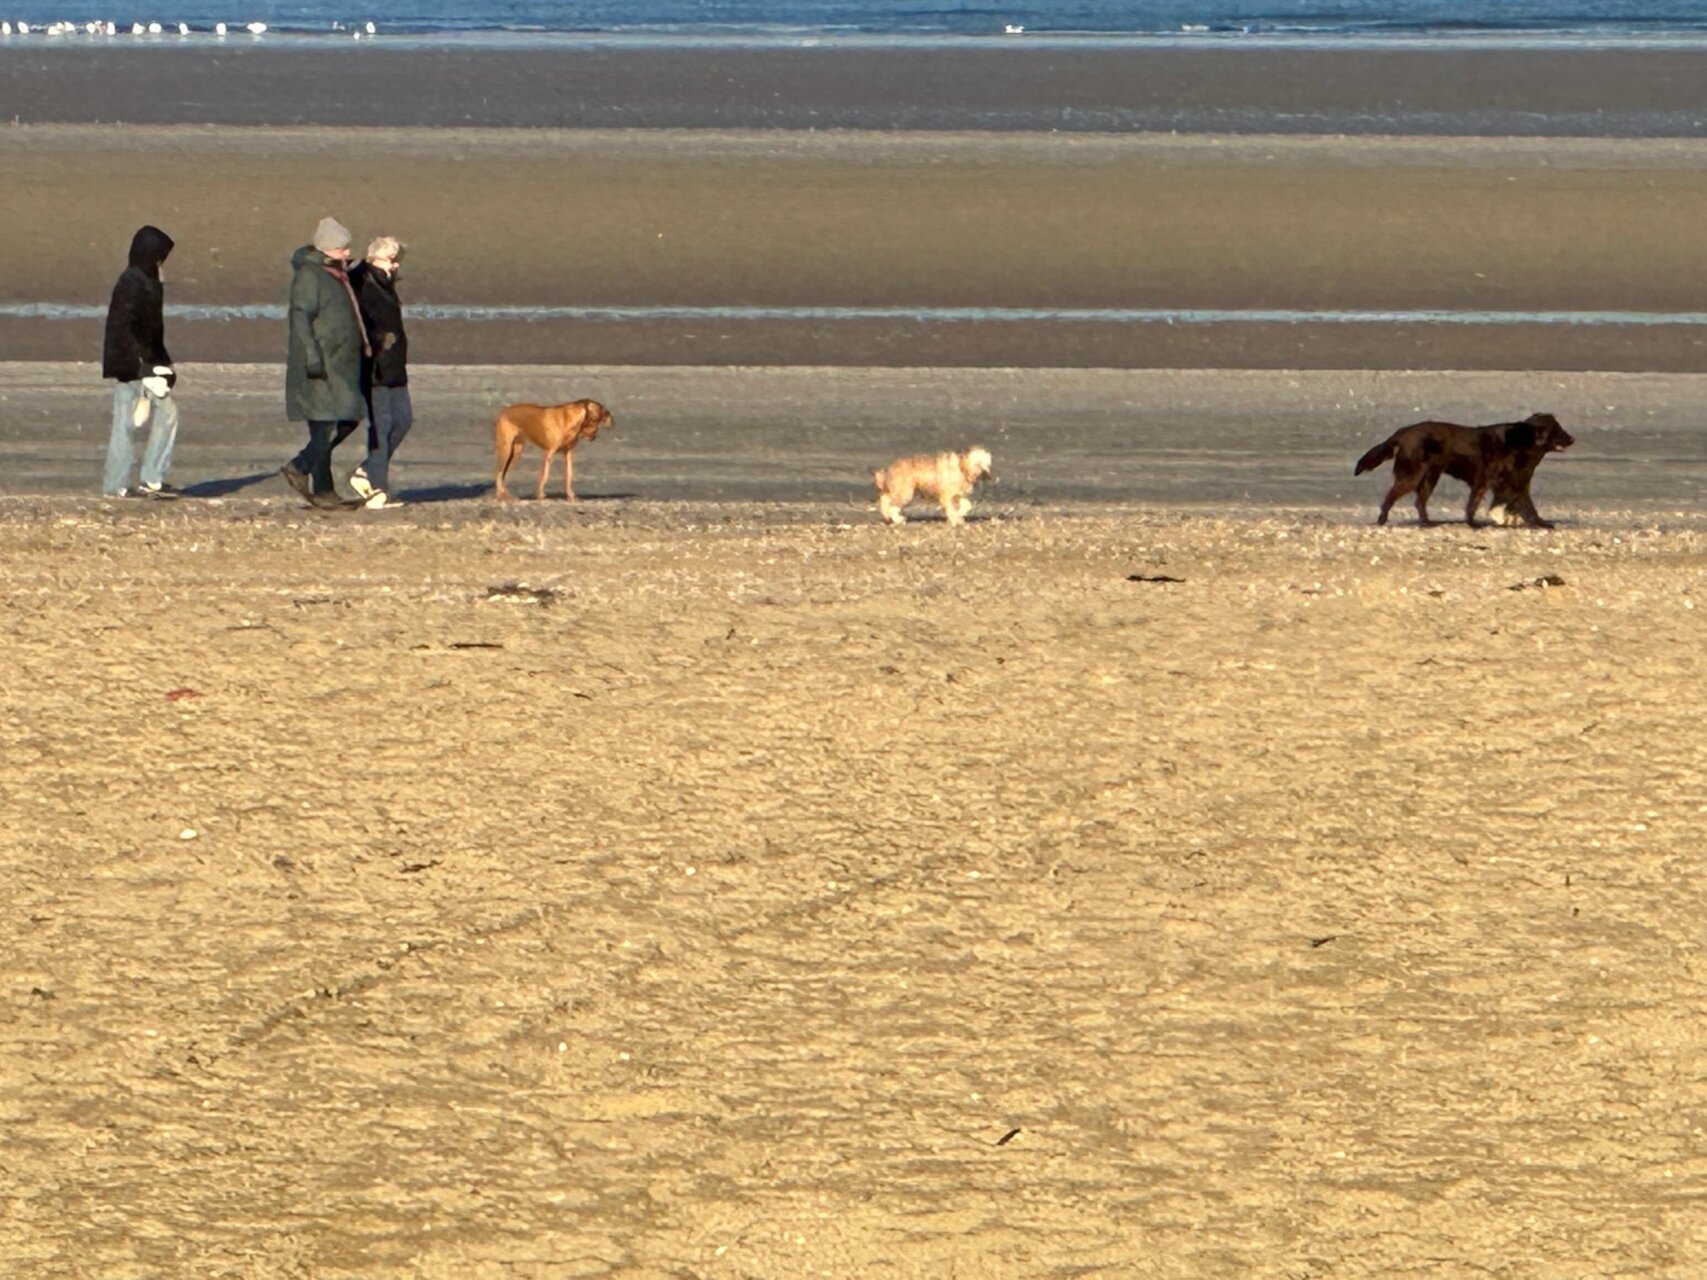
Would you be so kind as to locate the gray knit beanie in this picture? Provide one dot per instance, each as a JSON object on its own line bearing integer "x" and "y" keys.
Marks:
{"x": 331, "y": 234}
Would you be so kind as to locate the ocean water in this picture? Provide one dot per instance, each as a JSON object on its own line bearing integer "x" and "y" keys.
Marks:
{"x": 1590, "y": 20}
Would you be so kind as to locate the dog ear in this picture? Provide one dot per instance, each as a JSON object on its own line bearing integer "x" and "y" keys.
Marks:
{"x": 1520, "y": 435}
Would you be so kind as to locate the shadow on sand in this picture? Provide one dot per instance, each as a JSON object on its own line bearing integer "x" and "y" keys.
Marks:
{"x": 483, "y": 489}
{"x": 225, "y": 488}
{"x": 447, "y": 492}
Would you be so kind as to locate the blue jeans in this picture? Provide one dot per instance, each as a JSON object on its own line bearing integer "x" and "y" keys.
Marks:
{"x": 121, "y": 449}
{"x": 389, "y": 417}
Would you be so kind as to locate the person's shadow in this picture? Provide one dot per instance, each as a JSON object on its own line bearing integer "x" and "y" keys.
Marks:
{"x": 446, "y": 492}
{"x": 227, "y": 487}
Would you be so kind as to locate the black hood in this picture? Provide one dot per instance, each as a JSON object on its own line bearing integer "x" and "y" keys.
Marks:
{"x": 148, "y": 249}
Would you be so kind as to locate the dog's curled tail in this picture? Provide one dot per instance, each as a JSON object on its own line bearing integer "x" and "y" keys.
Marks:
{"x": 1376, "y": 456}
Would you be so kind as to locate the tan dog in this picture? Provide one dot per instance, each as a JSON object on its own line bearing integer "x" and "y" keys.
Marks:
{"x": 556, "y": 428}
{"x": 947, "y": 477}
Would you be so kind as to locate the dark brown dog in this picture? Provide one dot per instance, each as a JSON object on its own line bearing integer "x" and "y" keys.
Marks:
{"x": 556, "y": 428}
{"x": 1498, "y": 460}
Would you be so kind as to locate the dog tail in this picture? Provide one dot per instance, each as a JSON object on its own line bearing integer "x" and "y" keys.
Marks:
{"x": 1376, "y": 456}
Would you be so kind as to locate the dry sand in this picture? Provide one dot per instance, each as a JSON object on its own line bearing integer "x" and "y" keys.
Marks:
{"x": 789, "y": 897}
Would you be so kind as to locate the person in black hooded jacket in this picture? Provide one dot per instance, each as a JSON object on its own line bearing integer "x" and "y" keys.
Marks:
{"x": 134, "y": 356}
{"x": 384, "y": 371}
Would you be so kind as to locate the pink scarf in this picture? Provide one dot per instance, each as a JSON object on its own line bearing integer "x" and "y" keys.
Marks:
{"x": 343, "y": 278}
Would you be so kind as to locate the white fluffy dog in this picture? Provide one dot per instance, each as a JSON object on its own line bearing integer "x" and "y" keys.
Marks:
{"x": 947, "y": 477}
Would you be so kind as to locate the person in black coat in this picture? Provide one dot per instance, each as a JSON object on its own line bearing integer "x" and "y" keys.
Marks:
{"x": 134, "y": 356}
{"x": 385, "y": 372}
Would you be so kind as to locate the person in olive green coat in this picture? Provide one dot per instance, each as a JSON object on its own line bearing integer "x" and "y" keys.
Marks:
{"x": 323, "y": 364}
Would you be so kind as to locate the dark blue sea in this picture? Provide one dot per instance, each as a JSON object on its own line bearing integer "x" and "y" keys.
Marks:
{"x": 1590, "y": 21}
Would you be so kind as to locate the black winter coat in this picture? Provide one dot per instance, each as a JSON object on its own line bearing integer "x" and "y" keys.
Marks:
{"x": 136, "y": 325}
{"x": 382, "y": 314}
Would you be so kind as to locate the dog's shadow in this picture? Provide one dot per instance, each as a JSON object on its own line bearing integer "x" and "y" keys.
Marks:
{"x": 225, "y": 488}
{"x": 484, "y": 489}
{"x": 939, "y": 520}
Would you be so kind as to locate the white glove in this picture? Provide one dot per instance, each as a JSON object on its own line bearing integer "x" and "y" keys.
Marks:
{"x": 157, "y": 386}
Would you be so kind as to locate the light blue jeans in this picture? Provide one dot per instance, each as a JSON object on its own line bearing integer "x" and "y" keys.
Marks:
{"x": 121, "y": 448}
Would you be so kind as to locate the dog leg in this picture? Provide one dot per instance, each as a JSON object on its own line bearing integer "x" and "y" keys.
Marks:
{"x": 1406, "y": 475}
{"x": 544, "y": 475}
{"x": 507, "y": 455}
{"x": 1525, "y": 510}
{"x": 1476, "y": 496}
{"x": 1424, "y": 489}
{"x": 1394, "y": 493}
{"x": 569, "y": 476}
{"x": 888, "y": 509}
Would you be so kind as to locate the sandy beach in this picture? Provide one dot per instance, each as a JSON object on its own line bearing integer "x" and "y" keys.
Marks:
{"x": 811, "y": 898}
{"x": 1167, "y": 874}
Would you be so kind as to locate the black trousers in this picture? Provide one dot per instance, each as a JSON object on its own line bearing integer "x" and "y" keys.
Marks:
{"x": 315, "y": 460}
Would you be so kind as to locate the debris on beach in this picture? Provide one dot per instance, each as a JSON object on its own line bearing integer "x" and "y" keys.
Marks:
{"x": 1543, "y": 582}
{"x": 521, "y": 593}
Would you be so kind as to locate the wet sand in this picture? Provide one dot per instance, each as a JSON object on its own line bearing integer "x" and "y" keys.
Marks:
{"x": 1029, "y": 85}
{"x": 644, "y": 219}
{"x": 809, "y": 898}
{"x": 805, "y": 440}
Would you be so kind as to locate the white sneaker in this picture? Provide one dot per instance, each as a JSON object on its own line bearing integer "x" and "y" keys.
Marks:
{"x": 377, "y": 498}
{"x": 359, "y": 482}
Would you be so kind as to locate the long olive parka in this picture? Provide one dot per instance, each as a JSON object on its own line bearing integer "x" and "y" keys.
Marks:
{"x": 323, "y": 365}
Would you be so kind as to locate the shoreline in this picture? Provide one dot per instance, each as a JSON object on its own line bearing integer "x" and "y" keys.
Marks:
{"x": 908, "y": 345}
